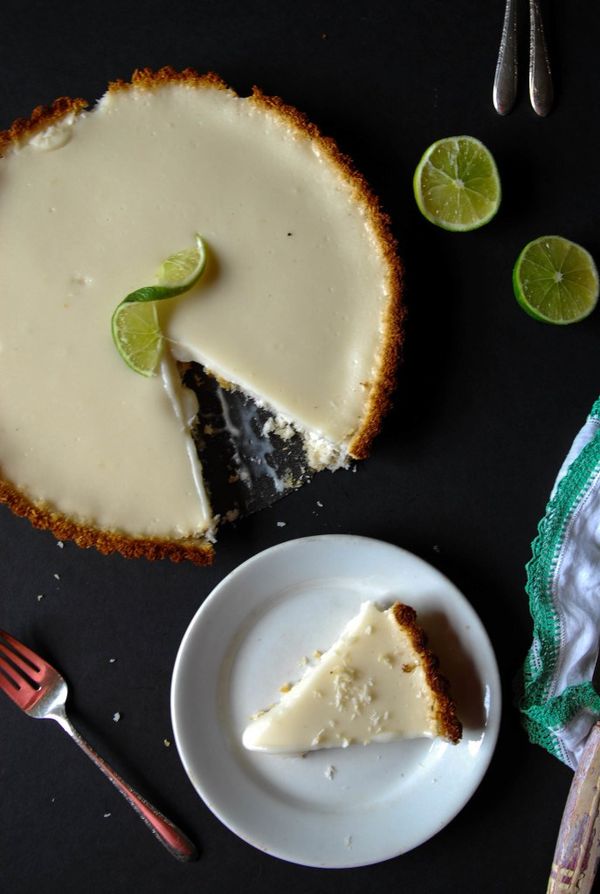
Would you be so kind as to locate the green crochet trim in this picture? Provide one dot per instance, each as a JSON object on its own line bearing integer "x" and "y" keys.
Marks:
{"x": 543, "y": 712}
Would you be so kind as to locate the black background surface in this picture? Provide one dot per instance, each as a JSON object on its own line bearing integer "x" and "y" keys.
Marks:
{"x": 487, "y": 404}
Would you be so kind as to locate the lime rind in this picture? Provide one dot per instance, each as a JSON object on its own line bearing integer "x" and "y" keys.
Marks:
{"x": 456, "y": 184}
{"x": 152, "y": 293}
{"x": 134, "y": 324}
{"x": 556, "y": 280}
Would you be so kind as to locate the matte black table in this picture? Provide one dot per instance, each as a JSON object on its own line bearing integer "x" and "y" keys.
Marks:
{"x": 488, "y": 401}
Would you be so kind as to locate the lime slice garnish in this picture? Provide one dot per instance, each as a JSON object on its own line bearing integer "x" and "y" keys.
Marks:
{"x": 135, "y": 328}
{"x": 456, "y": 184}
{"x": 175, "y": 275}
{"x": 556, "y": 280}
{"x": 184, "y": 268}
{"x": 137, "y": 335}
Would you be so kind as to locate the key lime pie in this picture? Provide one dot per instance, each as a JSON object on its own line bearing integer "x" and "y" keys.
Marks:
{"x": 298, "y": 308}
{"x": 378, "y": 682}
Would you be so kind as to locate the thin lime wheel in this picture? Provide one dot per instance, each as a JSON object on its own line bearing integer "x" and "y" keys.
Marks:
{"x": 456, "y": 184}
{"x": 183, "y": 269}
{"x": 556, "y": 281}
{"x": 136, "y": 333}
{"x": 135, "y": 326}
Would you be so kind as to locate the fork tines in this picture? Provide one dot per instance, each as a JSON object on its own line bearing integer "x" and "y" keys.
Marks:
{"x": 18, "y": 664}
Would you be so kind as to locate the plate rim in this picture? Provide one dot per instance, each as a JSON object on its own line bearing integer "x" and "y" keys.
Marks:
{"x": 492, "y": 727}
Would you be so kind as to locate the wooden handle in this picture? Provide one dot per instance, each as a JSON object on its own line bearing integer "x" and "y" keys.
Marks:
{"x": 578, "y": 846}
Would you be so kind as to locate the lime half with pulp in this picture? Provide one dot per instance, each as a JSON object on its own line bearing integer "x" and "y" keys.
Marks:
{"x": 456, "y": 184}
{"x": 556, "y": 280}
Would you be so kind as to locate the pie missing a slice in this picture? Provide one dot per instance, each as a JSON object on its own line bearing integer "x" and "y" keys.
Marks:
{"x": 299, "y": 307}
{"x": 377, "y": 682}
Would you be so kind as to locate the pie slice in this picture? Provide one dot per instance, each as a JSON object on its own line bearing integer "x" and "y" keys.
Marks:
{"x": 378, "y": 682}
{"x": 299, "y": 307}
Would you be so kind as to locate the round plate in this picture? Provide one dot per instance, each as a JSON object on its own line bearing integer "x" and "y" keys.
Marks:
{"x": 334, "y": 807}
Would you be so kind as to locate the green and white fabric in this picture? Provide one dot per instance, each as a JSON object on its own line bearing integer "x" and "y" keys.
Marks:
{"x": 559, "y": 702}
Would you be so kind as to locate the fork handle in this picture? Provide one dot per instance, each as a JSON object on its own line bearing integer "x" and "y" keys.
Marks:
{"x": 505, "y": 80}
{"x": 178, "y": 844}
{"x": 541, "y": 90}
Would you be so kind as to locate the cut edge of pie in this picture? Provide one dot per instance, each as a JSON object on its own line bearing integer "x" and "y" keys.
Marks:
{"x": 199, "y": 550}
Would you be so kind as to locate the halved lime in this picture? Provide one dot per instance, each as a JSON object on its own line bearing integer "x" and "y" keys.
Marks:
{"x": 556, "y": 280}
{"x": 456, "y": 184}
{"x": 137, "y": 335}
{"x": 135, "y": 327}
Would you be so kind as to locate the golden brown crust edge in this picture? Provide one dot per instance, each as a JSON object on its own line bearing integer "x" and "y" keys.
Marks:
{"x": 44, "y": 116}
{"x": 200, "y": 551}
{"x": 449, "y": 726}
{"x": 41, "y": 118}
{"x": 149, "y": 79}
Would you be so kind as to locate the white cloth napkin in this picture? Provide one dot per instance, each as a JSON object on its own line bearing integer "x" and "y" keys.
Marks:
{"x": 559, "y": 702}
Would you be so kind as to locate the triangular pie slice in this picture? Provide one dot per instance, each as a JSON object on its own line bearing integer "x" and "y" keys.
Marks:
{"x": 299, "y": 307}
{"x": 377, "y": 682}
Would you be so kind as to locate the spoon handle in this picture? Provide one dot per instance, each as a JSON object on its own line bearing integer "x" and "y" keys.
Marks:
{"x": 505, "y": 80}
{"x": 541, "y": 91}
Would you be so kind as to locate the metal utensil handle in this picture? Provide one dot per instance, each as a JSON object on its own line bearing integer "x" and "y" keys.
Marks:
{"x": 178, "y": 844}
{"x": 578, "y": 846}
{"x": 541, "y": 89}
{"x": 505, "y": 80}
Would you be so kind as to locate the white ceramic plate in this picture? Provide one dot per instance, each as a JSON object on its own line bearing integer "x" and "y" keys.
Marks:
{"x": 249, "y": 637}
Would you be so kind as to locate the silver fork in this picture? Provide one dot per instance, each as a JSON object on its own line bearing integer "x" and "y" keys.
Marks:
{"x": 41, "y": 692}
{"x": 505, "y": 79}
{"x": 541, "y": 90}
